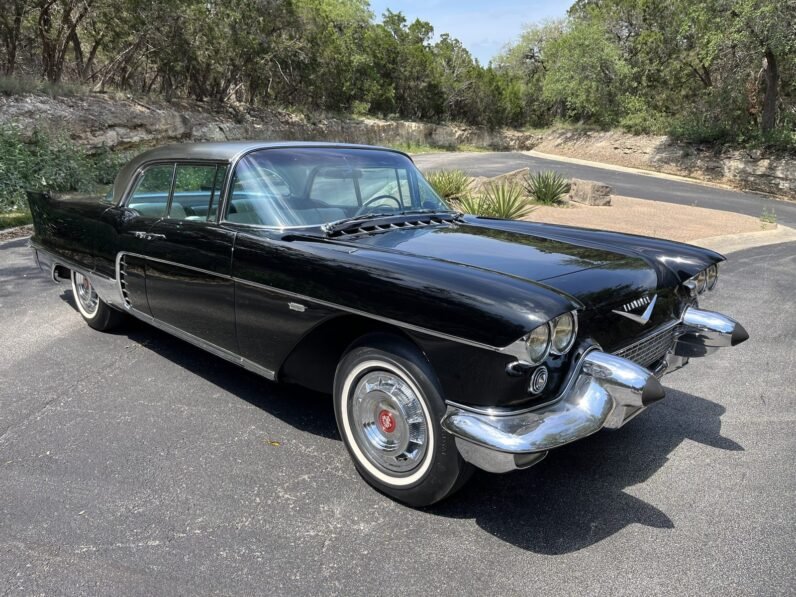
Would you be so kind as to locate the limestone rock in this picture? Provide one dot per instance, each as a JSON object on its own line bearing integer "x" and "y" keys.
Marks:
{"x": 589, "y": 192}
{"x": 517, "y": 177}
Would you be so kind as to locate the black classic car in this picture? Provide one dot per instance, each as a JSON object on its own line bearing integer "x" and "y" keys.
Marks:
{"x": 447, "y": 341}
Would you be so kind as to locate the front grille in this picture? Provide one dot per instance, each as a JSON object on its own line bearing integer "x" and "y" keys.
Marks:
{"x": 650, "y": 349}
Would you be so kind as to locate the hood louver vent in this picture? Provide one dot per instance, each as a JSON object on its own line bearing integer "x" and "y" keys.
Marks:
{"x": 370, "y": 228}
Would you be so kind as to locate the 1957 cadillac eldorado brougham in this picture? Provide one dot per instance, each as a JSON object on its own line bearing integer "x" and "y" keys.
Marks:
{"x": 448, "y": 341}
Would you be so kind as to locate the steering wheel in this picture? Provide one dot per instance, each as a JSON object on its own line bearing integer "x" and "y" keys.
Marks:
{"x": 372, "y": 200}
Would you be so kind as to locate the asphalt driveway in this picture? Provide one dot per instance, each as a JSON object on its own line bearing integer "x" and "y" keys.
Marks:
{"x": 134, "y": 463}
{"x": 623, "y": 183}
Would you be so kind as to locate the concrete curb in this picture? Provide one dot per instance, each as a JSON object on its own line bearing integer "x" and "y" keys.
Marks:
{"x": 730, "y": 243}
{"x": 651, "y": 173}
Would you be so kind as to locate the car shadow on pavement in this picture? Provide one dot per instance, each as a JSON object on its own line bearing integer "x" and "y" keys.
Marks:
{"x": 577, "y": 496}
{"x": 304, "y": 409}
{"x": 573, "y": 499}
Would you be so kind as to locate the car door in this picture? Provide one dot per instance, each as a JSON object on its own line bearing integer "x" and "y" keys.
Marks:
{"x": 188, "y": 278}
{"x": 121, "y": 241}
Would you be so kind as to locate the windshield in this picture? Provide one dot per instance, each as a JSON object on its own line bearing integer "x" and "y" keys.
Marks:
{"x": 312, "y": 186}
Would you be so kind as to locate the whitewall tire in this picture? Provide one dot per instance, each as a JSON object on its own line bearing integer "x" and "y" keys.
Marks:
{"x": 388, "y": 406}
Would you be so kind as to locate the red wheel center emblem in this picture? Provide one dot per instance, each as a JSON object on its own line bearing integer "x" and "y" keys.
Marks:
{"x": 386, "y": 421}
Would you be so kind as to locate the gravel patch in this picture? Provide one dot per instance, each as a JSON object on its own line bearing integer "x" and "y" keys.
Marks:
{"x": 650, "y": 218}
{"x": 18, "y": 232}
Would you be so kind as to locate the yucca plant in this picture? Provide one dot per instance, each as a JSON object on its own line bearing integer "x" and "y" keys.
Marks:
{"x": 504, "y": 200}
{"x": 471, "y": 204}
{"x": 449, "y": 184}
{"x": 546, "y": 187}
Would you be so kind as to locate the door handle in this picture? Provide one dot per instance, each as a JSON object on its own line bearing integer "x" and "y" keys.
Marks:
{"x": 147, "y": 235}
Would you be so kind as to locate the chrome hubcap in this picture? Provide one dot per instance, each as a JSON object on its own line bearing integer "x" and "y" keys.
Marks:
{"x": 388, "y": 421}
{"x": 86, "y": 294}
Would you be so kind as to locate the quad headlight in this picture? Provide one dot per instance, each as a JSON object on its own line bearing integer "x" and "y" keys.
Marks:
{"x": 704, "y": 280}
{"x": 537, "y": 344}
{"x": 713, "y": 276}
{"x": 556, "y": 336}
{"x": 565, "y": 327}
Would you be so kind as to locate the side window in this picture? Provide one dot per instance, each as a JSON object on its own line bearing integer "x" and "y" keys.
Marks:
{"x": 194, "y": 187}
{"x": 151, "y": 194}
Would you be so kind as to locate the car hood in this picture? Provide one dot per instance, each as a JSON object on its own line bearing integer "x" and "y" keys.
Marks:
{"x": 592, "y": 274}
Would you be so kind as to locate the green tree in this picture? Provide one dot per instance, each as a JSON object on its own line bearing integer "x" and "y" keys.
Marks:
{"x": 585, "y": 71}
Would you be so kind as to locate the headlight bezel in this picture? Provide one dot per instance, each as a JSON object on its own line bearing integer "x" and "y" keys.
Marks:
{"x": 703, "y": 281}
{"x": 554, "y": 323}
{"x": 713, "y": 271}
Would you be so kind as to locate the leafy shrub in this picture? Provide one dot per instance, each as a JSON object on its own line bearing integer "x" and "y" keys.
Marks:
{"x": 449, "y": 184}
{"x": 45, "y": 162}
{"x": 10, "y": 85}
{"x": 505, "y": 200}
{"x": 14, "y": 219}
{"x": 640, "y": 119}
{"x": 546, "y": 187}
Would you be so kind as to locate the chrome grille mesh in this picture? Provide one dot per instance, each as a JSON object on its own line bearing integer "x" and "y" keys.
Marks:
{"x": 651, "y": 349}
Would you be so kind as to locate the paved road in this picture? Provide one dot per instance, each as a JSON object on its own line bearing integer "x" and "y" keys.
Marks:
{"x": 133, "y": 463}
{"x": 631, "y": 185}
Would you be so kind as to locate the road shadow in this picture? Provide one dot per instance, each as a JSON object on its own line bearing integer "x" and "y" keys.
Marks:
{"x": 304, "y": 409}
{"x": 573, "y": 499}
{"x": 576, "y": 497}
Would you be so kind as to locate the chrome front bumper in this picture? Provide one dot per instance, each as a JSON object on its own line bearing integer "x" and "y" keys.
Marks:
{"x": 603, "y": 391}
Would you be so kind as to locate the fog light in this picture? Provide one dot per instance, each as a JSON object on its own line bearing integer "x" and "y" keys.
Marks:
{"x": 538, "y": 380}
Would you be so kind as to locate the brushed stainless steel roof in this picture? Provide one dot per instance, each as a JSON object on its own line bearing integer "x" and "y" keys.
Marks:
{"x": 218, "y": 151}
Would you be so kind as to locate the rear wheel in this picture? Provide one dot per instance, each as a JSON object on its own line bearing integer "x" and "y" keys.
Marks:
{"x": 97, "y": 313}
{"x": 388, "y": 407}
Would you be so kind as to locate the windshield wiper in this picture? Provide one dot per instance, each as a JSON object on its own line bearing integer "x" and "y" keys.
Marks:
{"x": 446, "y": 212}
{"x": 343, "y": 223}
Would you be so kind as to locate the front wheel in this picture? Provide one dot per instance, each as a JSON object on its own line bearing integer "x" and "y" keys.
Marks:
{"x": 95, "y": 312}
{"x": 388, "y": 407}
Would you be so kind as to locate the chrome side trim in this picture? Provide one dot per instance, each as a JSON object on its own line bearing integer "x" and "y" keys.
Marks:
{"x": 105, "y": 286}
{"x": 395, "y": 322}
{"x": 321, "y": 302}
{"x": 607, "y": 391}
{"x": 204, "y": 344}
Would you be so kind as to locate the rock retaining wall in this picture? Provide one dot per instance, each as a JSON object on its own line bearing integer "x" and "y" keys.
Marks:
{"x": 95, "y": 121}
{"x": 755, "y": 170}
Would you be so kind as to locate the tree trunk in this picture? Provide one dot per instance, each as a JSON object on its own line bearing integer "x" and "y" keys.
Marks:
{"x": 771, "y": 73}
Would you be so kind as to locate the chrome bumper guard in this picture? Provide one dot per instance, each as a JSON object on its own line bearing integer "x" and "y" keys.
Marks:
{"x": 605, "y": 391}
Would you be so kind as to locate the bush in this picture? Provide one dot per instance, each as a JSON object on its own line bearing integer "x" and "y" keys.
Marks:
{"x": 546, "y": 187}
{"x": 640, "y": 119}
{"x": 505, "y": 200}
{"x": 53, "y": 163}
{"x": 449, "y": 184}
{"x": 14, "y": 219}
{"x": 10, "y": 85}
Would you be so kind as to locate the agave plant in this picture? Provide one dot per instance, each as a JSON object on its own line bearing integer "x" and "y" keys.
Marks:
{"x": 449, "y": 184}
{"x": 546, "y": 187}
